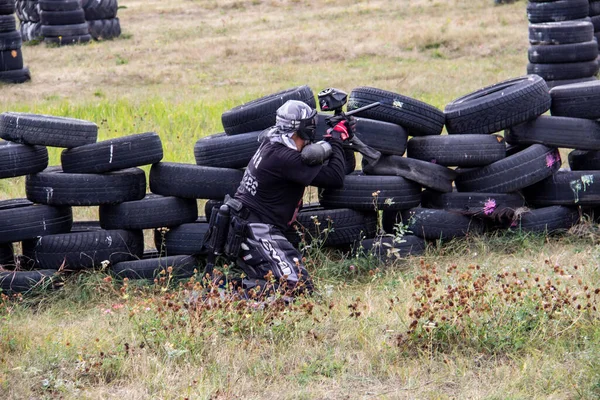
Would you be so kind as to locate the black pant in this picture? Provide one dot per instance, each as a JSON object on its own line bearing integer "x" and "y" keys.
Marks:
{"x": 266, "y": 250}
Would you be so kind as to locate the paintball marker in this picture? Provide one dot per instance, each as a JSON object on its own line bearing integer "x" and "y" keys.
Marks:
{"x": 332, "y": 99}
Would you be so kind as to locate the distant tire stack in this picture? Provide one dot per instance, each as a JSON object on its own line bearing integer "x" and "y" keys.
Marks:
{"x": 563, "y": 48}
{"x": 101, "y": 17}
{"x": 11, "y": 56}
{"x": 595, "y": 18}
{"x": 28, "y": 12}
{"x": 63, "y": 22}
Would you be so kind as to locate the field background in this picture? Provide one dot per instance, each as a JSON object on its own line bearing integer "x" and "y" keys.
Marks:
{"x": 177, "y": 67}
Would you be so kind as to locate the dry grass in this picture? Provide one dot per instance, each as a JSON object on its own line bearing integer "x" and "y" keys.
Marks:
{"x": 180, "y": 64}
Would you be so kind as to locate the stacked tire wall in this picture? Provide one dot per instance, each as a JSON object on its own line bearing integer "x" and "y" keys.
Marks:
{"x": 28, "y": 12}
{"x": 563, "y": 46}
{"x": 12, "y": 69}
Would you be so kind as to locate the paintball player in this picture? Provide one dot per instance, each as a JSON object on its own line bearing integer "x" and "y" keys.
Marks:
{"x": 271, "y": 193}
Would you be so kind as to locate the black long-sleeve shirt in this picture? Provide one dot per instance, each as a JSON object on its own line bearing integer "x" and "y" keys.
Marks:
{"x": 274, "y": 182}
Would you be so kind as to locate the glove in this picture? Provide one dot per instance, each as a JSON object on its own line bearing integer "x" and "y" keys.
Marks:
{"x": 343, "y": 130}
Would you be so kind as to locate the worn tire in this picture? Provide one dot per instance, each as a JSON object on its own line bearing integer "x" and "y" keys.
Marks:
{"x": 566, "y": 188}
{"x": 547, "y": 220}
{"x": 458, "y": 150}
{"x": 260, "y": 113}
{"x": 20, "y": 159}
{"x": 499, "y": 106}
{"x": 424, "y": 173}
{"x": 27, "y": 11}
{"x": 72, "y": 17}
{"x": 562, "y": 82}
{"x": 433, "y": 224}
{"x": 20, "y": 220}
{"x": 30, "y": 31}
{"x": 335, "y": 227}
{"x": 59, "y": 5}
{"x": 563, "y": 53}
{"x": 558, "y": 10}
{"x": 84, "y": 250}
{"x": 56, "y": 31}
{"x": 494, "y": 206}
{"x": 194, "y": 181}
{"x": 581, "y": 160}
{"x": 185, "y": 239}
{"x": 154, "y": 268}
{"x": 46, "y": 130}
{"x": 418, "y": 117}
{"x": 513, "y": 173}
{"x": 226, "y": 151}
{"x": 10, "y": 41}
{"x": 7, "y": 23}
{"x": 7, "y": 7}
{"x": 15, "y": 76}
{"x": 563, "y": 32}
{"x": 24, "y": 281}
{"x": 113, "y": 154}
{"x": 11, "y": 60}
{"x": 394, "y": 193}
{"x": 563, "y": 71}
{"x": 54, "y": 187}
{"x": 572, "y": 133}
{"x": 68, "y": 40}
{"x": 99, "y": 9}
{"x": 578, "y": 100}
{"x": 104, "y": 29}
{"x": 153, "y": 211}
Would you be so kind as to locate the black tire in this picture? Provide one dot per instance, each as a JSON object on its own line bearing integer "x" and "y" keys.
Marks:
{"x": 15, "y": 76}
{"x": 559, "y": 10}
{"x": 194, "y": 181}
{"x": 566, "y": 188}
{"x": 62, "y": 17}
{"x": 393, "y": 193}
{"x": 260, "y": 113}
{"x": 493, "y": 206}
{"x": 113, "y": 154}
{"x": 335, "y": 227}
{"x": 54, "y": 187}
{"x": 185, "y": 239}
{"x": 7, "y": 23}
{"x": 425, "y": 173}
{"x": 154, "y": 268}
{"x": 104, "y": 29}
{"x": 84, "y": 250}
{"x": 226, "y": 151}
{"x": 7, "y": 7}
{"x": 578, "y": 100}
{"x": 581, "y": 160}
{"x": 513, "y": 173}
{"x": 385, "y": 137}
{"x": 68, "y": 40}
{"x": 547, "y": 220}
{"x": 432, "y": 224}
{"x": 7, "y": 255}
{"x": 563, "y": 53}
{"x": 350, "y": 158}
{"x": 99, "y": 9}
{"x": 561, "y": 32}
{"x": 20, "y": 159}
{"x": 21, "y": 220}
{"x": 30, "y": 31}
{"x": 572, "y": 133}
{"x": 389, "y": 249}
{"x": 46, "y": 130}
{"x": 54, "y": 31}
{"x": 418, "y": 117}
{"x": 594, "y": 8}
{"x": 10, "y": 40}
{"x": 24, "y": 281}
{"x": 28, "y": 10}
{"x": 153, "y": 211}
{"x": 59, "y": 5}
{"x": 562, "y": 82}
{"x": 499, "y": 106}
{"x": 562, "y": 71}
{"x": 458, "y": 150}
{"x": 11, "y": 60}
